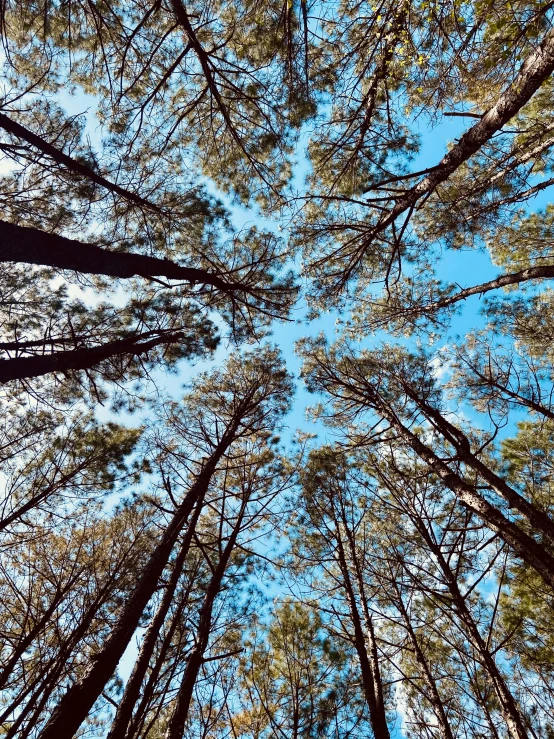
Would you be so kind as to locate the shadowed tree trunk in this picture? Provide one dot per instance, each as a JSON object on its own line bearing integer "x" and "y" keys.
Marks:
{"x": 21, "y": 368}
{"x": 33, "y": 246}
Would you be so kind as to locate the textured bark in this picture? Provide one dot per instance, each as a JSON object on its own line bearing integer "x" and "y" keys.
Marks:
{"x": 132, "y": 688}
{"x": 32, "y": 246}
{"x": 75, "y": 705}
{"x": 16, "y": 129}
{"x": 531, "y": 273}
{"x": 21, "y": 368}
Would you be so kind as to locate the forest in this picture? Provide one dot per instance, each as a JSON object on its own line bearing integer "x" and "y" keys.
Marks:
{"x": 276, "y": 369}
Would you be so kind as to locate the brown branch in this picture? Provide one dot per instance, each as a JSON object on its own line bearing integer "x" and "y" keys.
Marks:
{"x": 16, "y": 129}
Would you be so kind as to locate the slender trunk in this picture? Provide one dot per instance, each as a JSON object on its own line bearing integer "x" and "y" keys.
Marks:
{"x": 539, "y": 520}
{"x": 16, "y": 129}
{"x": 515, "y": 278}
{"x": 530, "y": 551}
{"x": 132, "y": 688}
{"x": 373, "y": 655}
{"x": 434, "y": 696}
{"x": 510, "y": 711}
{"x": 534, "y": 71}
{"x": 177, "y": 722}
{"x": 27, "y": 640}
{"x": 142, "y": 711}
{"x": 75, "y": 705}
{"x": 32, "y": 246}
{"x": 78, "y": 359}
{"x": 376, "y": 712}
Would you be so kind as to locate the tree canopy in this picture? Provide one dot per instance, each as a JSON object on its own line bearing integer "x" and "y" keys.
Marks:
{"x": 186, "y": 189}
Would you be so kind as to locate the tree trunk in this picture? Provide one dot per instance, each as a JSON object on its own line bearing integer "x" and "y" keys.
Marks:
{"x": 21, "y": 368}
{"x": 132, "y": 688}
{"x": 32, "y": 246}
{"x": 510, "y": 711}
{"x": 539, "y": 520}
{"x": 75, "y": 705}
{"x": 434, "y": 697}
{"x": 372, "y": 653}
{"x": 530, "y": 551}
{"x": 534, "y": 71}
{"x": 176, "y": 727}
{"x": 377, "y": 715}
{"x": 16, "y": 129}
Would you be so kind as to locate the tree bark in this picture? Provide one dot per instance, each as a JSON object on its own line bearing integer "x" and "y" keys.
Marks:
{"x": 534, "y": 71}
{"x": 379, "y": 721}
{"x": 531, "y": 552}
{"x": 514, "y": 278}
{"x": 539, "y": 520}
{"x": 75, "y": 705}
{"x": 33, "y": 246}
{"x": 21, "y": 368}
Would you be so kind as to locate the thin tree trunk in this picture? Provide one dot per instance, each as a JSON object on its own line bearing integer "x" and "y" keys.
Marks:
{"x": 539, "y": 520}
{"x": 434, "y": 697}
{"x": 372, "y": 654}
{"x": 132, "y": 688}
{"x": 510, "y": 711}
{"x": 377, "y": 715}
{"x": 176, "y": 726}
{"x": 16, "y": 129}
{"x": 514, "y": 278}
{"x": 75, "y": 705}
{"x": 530, "y": 551}
{"x": 142, "y": 711}
{"x": 534, "y": 71}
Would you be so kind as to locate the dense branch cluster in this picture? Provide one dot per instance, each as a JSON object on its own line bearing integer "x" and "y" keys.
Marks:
{"x": 178, "y": 181}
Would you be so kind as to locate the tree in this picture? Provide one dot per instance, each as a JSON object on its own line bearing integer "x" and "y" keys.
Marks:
{"x": 243, "y": 402}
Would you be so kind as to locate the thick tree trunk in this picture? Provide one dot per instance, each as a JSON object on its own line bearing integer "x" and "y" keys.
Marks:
{"x": 21, "y": 368}
{"x": 75, "y": 705}
{"x": 32, "y": 246}
{"x": 132, "y": 688}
